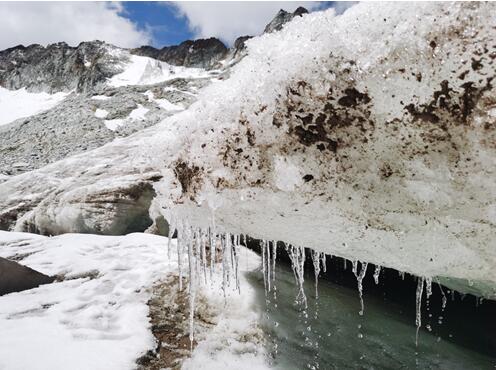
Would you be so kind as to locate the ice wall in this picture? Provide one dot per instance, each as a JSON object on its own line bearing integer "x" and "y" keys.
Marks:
{"x": 369, "y": 135}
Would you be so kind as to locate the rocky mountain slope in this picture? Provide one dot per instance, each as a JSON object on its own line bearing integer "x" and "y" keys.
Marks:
{"x": 369, "y": 136}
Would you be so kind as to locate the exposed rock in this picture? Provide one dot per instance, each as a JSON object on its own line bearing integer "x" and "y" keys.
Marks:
{"x": 283, "y": 17}
{"x": 16, "y": 278}
{"x": 73, "y": 126}
{"x": 201, "y": 53}
{"x": 239, "y": 46}
{"x": 58, "y": 67}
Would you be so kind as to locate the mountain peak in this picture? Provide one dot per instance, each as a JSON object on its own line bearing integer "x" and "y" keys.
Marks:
{"x": 282, "y": 17}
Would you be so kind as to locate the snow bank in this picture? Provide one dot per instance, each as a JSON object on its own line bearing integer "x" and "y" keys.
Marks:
{"x": 365, "y": 135}
{"x": 15, "y": 104}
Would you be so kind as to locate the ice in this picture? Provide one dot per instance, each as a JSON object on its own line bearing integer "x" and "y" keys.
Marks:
{"x": 360, "y": 275}
{"x": 377, "y": 272}
{"x": 316, "y": 260}
{"x": 418, "y": 309}
{"x": 297, "y": 257}
{"x": 194, "y": 240}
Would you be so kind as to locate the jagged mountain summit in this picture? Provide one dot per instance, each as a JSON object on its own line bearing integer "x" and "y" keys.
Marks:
{"x": 283, "y": 17}
{"x": 202, "y": 53}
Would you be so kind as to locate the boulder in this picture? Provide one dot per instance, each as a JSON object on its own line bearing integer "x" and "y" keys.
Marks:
{"x": 16, "y": 278}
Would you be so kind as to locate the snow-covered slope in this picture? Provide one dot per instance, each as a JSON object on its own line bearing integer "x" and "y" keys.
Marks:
{"x": 368, "y": 135}
{"x": 138, "y": 70}
{"x": 15, "y": 104}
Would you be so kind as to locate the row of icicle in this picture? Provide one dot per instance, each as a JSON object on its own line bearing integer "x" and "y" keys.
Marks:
{"x": 205, "y": 247}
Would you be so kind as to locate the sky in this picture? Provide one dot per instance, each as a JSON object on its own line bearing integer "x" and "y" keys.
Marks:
{"x": 132, "y": 24}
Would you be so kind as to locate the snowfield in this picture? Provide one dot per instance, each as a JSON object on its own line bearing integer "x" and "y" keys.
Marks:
{"x": 140, "y": 70}
{"x": 97, "y": 316}
{"x": 15, "y": 104}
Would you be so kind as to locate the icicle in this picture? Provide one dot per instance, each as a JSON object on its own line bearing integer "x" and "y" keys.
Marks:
{"x": 445, "y": 299}
{"x": 192, "y": 284}
{"x": 360, "y": 277}
{"x": 323, "y": 261}
{"x": 213, "y": 249}
{"x": 224, "y": 262}
{"x": 204, "y": 235}
{"x": 297, "y": 256}
{"x": 236, "y": 260}
{"x": 377, "y": 272}
{"x": 267, "y": 259}
{"x": 262, "y": 247}
{"x": 354, "y": 267}
{"x": 274, "y": 255}
{"x": 418, "y": 299}
{"x": 180, "y": 241}
{"x": 172, "y": 228}
{"x": 428, "y": 287}
{"x": 316, "y": 268}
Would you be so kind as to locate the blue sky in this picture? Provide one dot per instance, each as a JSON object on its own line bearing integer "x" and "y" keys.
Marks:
{"x": 132, "y": 24}
{"x": 161, "y": 19}
{"x": 169, "y": 23}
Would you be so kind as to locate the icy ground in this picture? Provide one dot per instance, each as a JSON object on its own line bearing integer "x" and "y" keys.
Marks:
{"x": 20, "y": 103}
{"x": 96, "y": 317}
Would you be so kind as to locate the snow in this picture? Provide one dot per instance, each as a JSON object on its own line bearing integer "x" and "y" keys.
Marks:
{"x": 15, "y": 104}
{"x": 100, "y": 97}
{"x": 164, "y": 103}
{"x": 391, "y": 191}
{"x": 96, "y": 318}
{"x": 138, "y": 113}
{"x": 141, "y": 70}
{"x": 98, "y": 323}
{"x": 101, "y": 113}
{"x": 363, "y": 202}
{"x": 114, "y": 124}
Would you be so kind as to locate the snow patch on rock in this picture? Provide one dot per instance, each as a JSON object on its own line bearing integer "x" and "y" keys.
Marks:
{"x": 15, "y": 104}
{"x": 101, "y": 113}
{"x": 144, "y": 71}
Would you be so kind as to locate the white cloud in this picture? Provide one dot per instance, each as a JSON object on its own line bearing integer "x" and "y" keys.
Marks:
{"x": 48, "y": 22}
{"x": 228, "y": 20}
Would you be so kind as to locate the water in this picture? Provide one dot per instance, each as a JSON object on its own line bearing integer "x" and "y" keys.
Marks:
{"x": 331, "y": 334}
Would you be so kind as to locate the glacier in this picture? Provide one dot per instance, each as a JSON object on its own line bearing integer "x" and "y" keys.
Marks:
{"x": 368, "y": 135}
